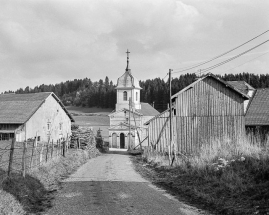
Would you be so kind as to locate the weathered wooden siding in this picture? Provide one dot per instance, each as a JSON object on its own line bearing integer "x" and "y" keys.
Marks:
{"x": 205, "y": 112}
{"x": 158, "y": 132}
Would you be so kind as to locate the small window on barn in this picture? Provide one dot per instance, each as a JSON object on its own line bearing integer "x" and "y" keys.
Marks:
{"x": 175, "y": 112}
{"x": 124, "y": 96}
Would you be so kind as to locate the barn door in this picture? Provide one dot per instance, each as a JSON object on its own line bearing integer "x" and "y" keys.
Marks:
{"x": 114, "y": 140}
{"x": 122, "y": 141}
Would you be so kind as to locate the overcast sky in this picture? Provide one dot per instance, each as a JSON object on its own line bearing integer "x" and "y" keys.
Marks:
{"x": 50, "y": 41}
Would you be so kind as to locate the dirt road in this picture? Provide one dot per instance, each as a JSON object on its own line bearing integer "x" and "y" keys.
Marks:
{"x": 108, "y": 184}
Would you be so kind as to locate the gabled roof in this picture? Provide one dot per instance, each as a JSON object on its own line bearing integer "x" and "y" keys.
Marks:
{"x": 216, "y": 78}
{"x": 147, "y": 110}
{"x": 123, "y": 125}
{"x": 124, "y": 109}
{"x": 243, "y": 86}
{"x": 258, "y": 109}
{"x": 18, "y": 108}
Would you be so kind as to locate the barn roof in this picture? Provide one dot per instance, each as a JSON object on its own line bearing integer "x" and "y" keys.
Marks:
{"x": 243, "y": 86}
{"x": 258, "y": 109}
{"x": 216, "y": 78}
{"x": 158, "y": 115}
{"x": 18, "y": 108}
{"x": 147, "y": 110}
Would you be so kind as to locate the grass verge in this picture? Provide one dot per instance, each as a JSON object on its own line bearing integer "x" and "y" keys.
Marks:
{"x": 34, "y": 193}
{"x": 224, "y": 178}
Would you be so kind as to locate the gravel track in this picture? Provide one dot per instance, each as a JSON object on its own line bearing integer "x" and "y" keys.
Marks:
{"x": 109, "y": 184}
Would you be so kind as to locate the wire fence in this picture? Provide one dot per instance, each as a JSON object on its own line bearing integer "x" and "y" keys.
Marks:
{"x": 21, "y": 157}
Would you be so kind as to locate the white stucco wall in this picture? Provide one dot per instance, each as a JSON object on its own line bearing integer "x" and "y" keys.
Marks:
{"x": 130, "y": 93}
{"x": 50, "y": 112}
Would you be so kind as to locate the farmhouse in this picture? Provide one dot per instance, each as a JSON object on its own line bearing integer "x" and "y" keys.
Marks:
{"x": 127, "y": 121}
{"x": 40, "y": 115}
{"x": 204, "y": 111}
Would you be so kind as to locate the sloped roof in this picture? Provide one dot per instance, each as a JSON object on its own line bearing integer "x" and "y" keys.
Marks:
{"x": 158, "y": 115}
{"x": 147, "y": 110}
{"x": 123, "y": 125}
{"x": 127, "y": 80}
{"x": 124, "y": 109}
{"x": 216, "y": 78}
{"x": 18, "y": 108}
{"x": 241, "y": 85}
{"x": 258, "y": 109}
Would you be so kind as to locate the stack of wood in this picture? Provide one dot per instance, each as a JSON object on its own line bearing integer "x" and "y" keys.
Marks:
{"x": 86, "y": 138}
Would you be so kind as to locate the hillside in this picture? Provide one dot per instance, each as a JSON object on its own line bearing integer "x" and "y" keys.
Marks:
{"x": 85, "y": 93}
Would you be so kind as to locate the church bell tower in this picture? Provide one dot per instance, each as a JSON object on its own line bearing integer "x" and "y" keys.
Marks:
{"x": 128, "y": 89}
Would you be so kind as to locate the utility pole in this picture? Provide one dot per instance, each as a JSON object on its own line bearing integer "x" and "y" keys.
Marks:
{"x": 129, "y": 135}
{"x": 170, "y": 115}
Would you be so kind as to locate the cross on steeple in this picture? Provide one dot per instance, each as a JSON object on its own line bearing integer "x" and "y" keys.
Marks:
{"x": 127, "y": 68}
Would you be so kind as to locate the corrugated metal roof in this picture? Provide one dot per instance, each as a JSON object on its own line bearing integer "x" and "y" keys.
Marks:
{"x": 147, "y": 110}
{"x": 18, "y": 108}
{"x": 258, "y": 109}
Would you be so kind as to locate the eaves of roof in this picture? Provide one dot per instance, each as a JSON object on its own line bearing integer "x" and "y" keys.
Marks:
{"x": 216, "y": 78}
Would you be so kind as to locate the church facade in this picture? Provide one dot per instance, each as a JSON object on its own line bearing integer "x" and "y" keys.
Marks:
{"x": 127, "y": 128}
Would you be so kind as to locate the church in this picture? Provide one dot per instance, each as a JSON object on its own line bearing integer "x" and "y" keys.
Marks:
{"x": 127, "y": 128}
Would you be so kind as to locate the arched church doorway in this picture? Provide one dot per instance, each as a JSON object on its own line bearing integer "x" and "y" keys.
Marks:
{"x": 122, "y": 141}
{"x": 114, "y": 140}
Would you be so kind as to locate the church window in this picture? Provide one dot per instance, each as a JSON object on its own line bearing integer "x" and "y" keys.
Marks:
{"x": 124, "y": 96}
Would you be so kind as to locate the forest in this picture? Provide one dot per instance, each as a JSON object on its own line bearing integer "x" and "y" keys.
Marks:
{"x": 84, "y": 92}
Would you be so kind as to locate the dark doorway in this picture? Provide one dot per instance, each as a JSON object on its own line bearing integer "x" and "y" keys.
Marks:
{"x": 122, "y": 141}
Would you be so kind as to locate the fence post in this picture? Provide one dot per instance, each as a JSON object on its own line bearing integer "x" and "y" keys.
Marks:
{"x": 41, "y": 153}
{"x": 64, "y": 147}
{"x": 24, "y": 158}
{"x": 47, "y": 152}
{"x": 33, "y": 152}
{"x": 52, "y": 149}
{"x": 11, "y": 156}
{"x": 78, "y": 143}
{"x": 57, "y": 148}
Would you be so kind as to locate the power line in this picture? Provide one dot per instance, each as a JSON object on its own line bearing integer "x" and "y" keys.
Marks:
{"x": 232, "y": 58}
{"x": 214, "y": 58}
{"x": 246, "y": 62}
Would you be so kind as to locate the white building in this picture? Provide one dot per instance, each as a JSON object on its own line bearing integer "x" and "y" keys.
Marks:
{"x": 41, "y": 115}
{"x": 127, "y": 127}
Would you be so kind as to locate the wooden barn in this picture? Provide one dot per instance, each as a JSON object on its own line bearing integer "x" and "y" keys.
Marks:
{"x": 40, "y": 115}
{"x": 204, "y": 111}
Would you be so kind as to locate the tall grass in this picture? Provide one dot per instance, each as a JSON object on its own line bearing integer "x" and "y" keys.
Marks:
{"x": 209, "y": 153}
{"x": 223, "y": 174}
{"x": 29, "y": 194}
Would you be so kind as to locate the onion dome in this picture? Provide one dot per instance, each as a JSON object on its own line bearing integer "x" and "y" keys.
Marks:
{"x": 127, "y": 80}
